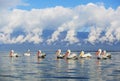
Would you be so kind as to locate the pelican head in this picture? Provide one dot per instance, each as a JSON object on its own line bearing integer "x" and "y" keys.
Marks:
{"x": 39, "y": 51}
{"x": 100, "y": 50}
{"x": 104, "y": 51}
{"x": 59, "y": 50}
{"x": 69, "y": 51}
{"x": 12, "y": 51}
{"x": 82, "y": 52}
{"x": 28, "y": 50}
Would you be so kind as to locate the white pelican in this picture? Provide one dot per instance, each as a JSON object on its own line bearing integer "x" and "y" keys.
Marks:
{"x": 99, "y": 54}
{"x": 40, "y": 54}
{"x": 104, "y": 53}
{"x": 59, "y": 55}
{"x": 68, "y": 55}
{"x": 27, "y": 53}
{"x": 12, "y": 54}
{"x": 82, "y": 55}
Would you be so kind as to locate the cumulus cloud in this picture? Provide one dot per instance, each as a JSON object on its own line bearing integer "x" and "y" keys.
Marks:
{"x": 103, "y": 24}
{"x": 94, "y": 35}
{"x": 71, "y": 37}
{"x": 55, "y": 35}
{"x": 109, "y": 24}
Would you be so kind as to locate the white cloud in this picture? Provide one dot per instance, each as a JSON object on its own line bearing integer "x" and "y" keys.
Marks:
{"x": 55, "y": 35}
{"x": 110, "y": 24}
{"x": 18, "y": 39}
{"x": 96, "y": 18}
{"x": 71, "y": 37}
{"x": 94, "y": 35}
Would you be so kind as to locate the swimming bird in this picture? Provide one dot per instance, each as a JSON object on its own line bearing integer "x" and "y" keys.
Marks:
{"x": 59, "y": 55}
{"x": 12, "y": 54}
{"x": 68, "y": 55}
{"x": 40, "y": 54}
{"x": 104, "y": 53}
{"x": 82, "y": 55}
{"x": 27, "y": 53}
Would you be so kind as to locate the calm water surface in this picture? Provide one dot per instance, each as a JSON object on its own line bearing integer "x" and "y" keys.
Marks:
{"x": 30, "y": 68}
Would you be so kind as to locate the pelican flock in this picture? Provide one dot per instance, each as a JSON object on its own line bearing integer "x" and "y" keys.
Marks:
{"x": 68, "y": 55}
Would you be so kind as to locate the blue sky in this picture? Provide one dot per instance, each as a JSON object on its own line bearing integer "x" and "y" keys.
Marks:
{"x": 26, "y": 21}
{"x": 67, "y": 3}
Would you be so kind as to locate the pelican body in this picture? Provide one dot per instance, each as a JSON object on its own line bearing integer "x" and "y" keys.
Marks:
{"x": 82, "y": 55}
{"x": 68, "y": 55}
{"x": 40, "y": 54}
{"x": 27, "y": 53}
{"x": 12, "y": 54}
{"x": 104, "y": 53}
{"x": 59, "y": 55}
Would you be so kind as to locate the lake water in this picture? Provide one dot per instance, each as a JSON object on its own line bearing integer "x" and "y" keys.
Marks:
{"x": 30, "y": 68}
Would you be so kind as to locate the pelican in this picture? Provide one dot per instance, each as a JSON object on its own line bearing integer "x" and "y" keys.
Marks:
{"x": 104, "y": 53}
{"x": 40, "y": 54}
{"x": 27, "y": 53}
{"x": 12, "y": 54}
{"x": 59, "y": 55}
{"x": 82, "y": 55}
{"x": 68, "y": 55}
